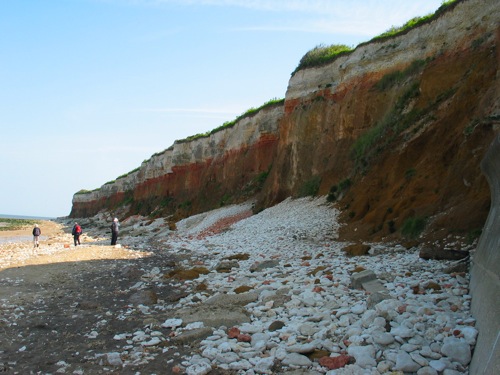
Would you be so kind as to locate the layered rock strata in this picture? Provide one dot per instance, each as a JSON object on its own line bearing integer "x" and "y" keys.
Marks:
{"x": 194, "y": 175}
{"x": 394, "y": 130}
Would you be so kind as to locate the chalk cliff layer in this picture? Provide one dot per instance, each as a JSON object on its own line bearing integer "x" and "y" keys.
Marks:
{"x": 394, "y": 130}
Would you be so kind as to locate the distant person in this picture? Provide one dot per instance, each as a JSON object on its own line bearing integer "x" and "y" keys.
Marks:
{"x": 36, "y": 234}
{"x": 115, "y": 228}
{"x": 76, "y": 232}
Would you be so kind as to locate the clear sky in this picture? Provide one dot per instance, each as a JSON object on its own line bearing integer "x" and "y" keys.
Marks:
{"x": 91, "y": 88}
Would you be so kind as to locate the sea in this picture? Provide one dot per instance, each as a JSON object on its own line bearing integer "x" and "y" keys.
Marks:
{"x": 2, "y": 216}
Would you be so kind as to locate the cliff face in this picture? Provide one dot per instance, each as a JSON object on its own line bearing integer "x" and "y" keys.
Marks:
{"x": 404, "y": 122}
{"x": 396, "y": 130}
{"x": 194, "y": 176}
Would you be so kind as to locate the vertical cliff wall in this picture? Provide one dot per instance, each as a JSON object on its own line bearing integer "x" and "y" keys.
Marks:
{"x": 194, "y": 175}
{"x": 403, "y": 123}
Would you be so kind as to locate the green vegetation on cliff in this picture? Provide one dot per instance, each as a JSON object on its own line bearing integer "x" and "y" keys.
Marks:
{"x": 322, "y": 55}
{"x": 229, "y": 124}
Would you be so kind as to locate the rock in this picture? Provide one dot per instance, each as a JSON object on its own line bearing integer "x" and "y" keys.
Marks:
{"x": 470, "y": 334}
{"x": 383, "y": 338}
{"x": 433, "y": 285}
{"x": 153, "y": 342}
{"x": 242, "y": 289}
{"x": 188, "y": 337}
{"x": 259, "y": 340}
{"x": 437, "y": 365}
{"x": 240, "y": 256}
{"x": 356, "y": 250}
{"x": 438, "y": 253}
{"x": 388, "y": 308}
{"x": 144, "y": 297}
{"x": 460, "y": 266}
{"x": 302, "y": 348}
{"x": 262, "y": 365}
{"x": 199, "y": 369}
{"x": 225, "y": 300}
{"x": 276, "y": 325}
{"x": 333, "y": 363}
{"x": 114, "y": 359}
{"x": 228, "y": 357}
{"x": 405, "y": 363}
{"x": 402, "y": 331}
{"x": 244, "y": 337}
{"x": 233, "y": 332}
{"x": 259, "y": 267}
{"x": 376, "y": 297}
{"x": 182, "y": 274}
{"x": 308, "y": 329}
{"x": 457, "y": 350}
{"x": 215, "y": 315}
{"x": 364, "y": 355}
{"x": 172, "y": 323}
{"x": 358, "y": 278}
{"x": 318, "y": 354}
{"x": 226, "y": 266}
{"x": 427, "y": 371}
{"x": 296, "y": 359}
{"x": 358, "y": 308}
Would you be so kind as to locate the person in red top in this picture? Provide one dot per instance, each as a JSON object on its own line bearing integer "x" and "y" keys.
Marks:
{"x": 76, "y": 232}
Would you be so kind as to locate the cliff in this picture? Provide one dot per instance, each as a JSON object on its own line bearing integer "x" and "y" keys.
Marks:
{"x": 394, "y": 131}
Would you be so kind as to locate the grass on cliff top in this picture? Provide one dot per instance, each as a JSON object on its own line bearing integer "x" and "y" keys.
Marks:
{"x": 322, "y": 55}
{"x": 228, "y": 124}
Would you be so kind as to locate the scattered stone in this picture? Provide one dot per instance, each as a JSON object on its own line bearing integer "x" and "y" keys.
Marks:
{"x": 226, "y": 266}
{"x": 261, "y": 266}
{"x": 333, "y": 363}
{"x": 276, "y": 325}
{"x": 242, "y": 289}
{"x": 182, "y": 274}
{"x": 405, "y": 363}
{"x": 457, "y": 350}
{"x": 364, "y": 355}
{"x": 359, "y": 278}
{"x": 144, "y": 297}
{"x": 439, "y": 253}
{"x": 238, "y": 257}
{"x": 356, "y": 250}
{"x": 296, "y": 359}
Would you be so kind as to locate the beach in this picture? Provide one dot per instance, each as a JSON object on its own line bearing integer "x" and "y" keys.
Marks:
{"x": 229, "y": 292}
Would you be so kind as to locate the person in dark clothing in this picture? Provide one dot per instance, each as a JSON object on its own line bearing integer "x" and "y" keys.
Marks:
{"x": 76, "y": 232}
{"x": 115, "y": 228}
{"x": 36, "y": 234}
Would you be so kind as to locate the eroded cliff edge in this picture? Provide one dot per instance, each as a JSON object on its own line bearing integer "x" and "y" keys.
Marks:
{"x": 394, "y": 130}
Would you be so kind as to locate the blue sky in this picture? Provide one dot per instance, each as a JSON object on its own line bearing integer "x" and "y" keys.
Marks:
{"x": 91, "y": 88}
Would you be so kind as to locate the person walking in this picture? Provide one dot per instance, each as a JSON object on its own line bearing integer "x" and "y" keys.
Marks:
{"x": 36, "y": 234}
{"x": 115, "y": 228}
{"x": 76, "y": 232}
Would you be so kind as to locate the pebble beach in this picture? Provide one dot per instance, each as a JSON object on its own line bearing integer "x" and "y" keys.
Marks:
{"x": 295, "y": 286}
